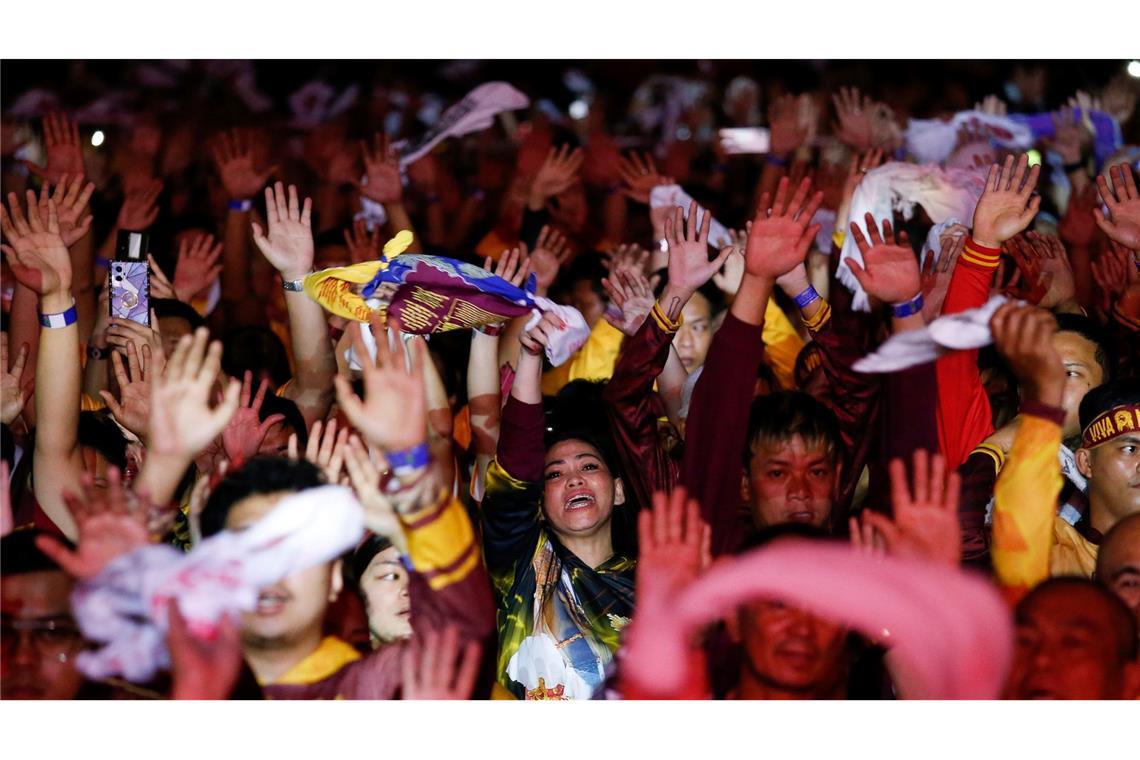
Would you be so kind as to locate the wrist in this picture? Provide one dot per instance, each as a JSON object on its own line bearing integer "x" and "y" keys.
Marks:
{"x": 794, "y": 283}
{"x": 673, "y": 300}
{"x": 57, "y": 301}
{"x": 985, "y": 239}
{"x": 1046, "y": 391}
{"x": 908, "y": 307}
{"x": 240, "y": 205}
{"x": 293, "y": 275}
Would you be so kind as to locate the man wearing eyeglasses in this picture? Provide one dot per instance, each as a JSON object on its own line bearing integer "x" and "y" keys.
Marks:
{"x": 39, "y": 640}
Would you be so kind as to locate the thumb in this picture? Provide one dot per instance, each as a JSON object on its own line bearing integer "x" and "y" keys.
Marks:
{"x": 722, "y": 257}
{"x": 35, "y": 169}
{"x": 59, "y": 553}
{"x": 270, "y": 421}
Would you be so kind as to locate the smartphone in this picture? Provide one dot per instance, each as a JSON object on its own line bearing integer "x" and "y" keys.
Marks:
{"x": 745, "y": 140}
{"x": 129, "y": 278}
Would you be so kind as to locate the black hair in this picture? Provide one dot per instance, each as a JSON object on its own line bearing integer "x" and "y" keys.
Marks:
{"x": 261, "y": 475}
{"x": 764, "y": 536}
{"x": 1123, "y": 623}
{"x": 255, "y": 349}
{"x": 97, "y": 430}
{"x": 779, "y": 416}
{"x": 586, "y": 266}
{"x": 712, "y": 294}
{"x": 1093, "y": 333}
{"x": 294, "y": 420}
{"x": 1120, "y": 392}
{"x": 357, "y": 562}
{"x": 19, "y": 554}
{"x": 169, "y": 308}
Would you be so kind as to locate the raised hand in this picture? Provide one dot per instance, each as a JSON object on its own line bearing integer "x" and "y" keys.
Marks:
{"x": 535, "y": 340}
{"x": 787, "y": 127}
{"x": 182, "y": 423}
{"x": 780, "y": 236}
{"x": 1055, "y": 264}
{"x": 729, "y": 277}
{"x": 36, "y": 251}
{"x": 1029, "y": 283}
{"x": 382, "y": 170}
{"x": 13, "y": 391}
{"x": 890, "y": 270}
{"x": 64, "y": 150}
{"x": 160, "y": 287}
{"x": 631, "y": 300}
{"x": 513, "y": 265}
{"x": 124, "y": 332}
{"x": 853, "y": 114}
{"x": 550, "y": 252}
{"x": 380, "y": 515}
{"x": 112, "y": 522}
{"x": 197, "y": 266}
{"x": 1023, "y": 335}
{"x": 1069, "y": 136}
{"x": 242, "y": 437}
{"x": 203, "y": 665}
{"x": 132, "y": 409}
{"x": 234, "y": 160}
{"x": 558, "y": 172}
{"x": 1123, "y": 202}
{"x": 325, "y": 448}
{"x": 289, "y": 245}
{"x": 639, "y": 175}
{"x": 673, "y": 543}
{"x": 393, "y": 415}
{"x": 140, "y": 207}
{"x": 1114, "y": 272}
{"x": 433, "y": 669}
{"x": 689, "y": 265}
{"x": 362, "y": 244}
{"x": 925, "y": 524}
{"x": 70, "y": 196}
{"x": 937, "y": 273}
{"x": 1009, "y": 202}
{"x": 992, "y": 105}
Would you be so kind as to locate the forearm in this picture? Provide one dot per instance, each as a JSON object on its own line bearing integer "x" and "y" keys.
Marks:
{"x": 1083, "y": 281}
{"x": 483, "y": 392}
{"x": 671, "y": 385}
{"x": 160, "y": 477}
{"x": 24, "y": 329}
{"x": 521, "y": 447}
{"x": 312, "y": 388}
{"x": 1025, "y": 500}
{"x": 752, "y": 300}
{"x": 398, "y": 220}
{"x": 527, "y": 387}
{"x": 439, "y": 410}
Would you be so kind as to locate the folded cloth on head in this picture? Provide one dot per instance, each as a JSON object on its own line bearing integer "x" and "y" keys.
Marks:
{"x": 124, "y": 608}
{"x": 674, "y": 195}
{"x": 942, "y": 193}
{"x": 952, "y": 332}
{"x": 429, "y": 294}
{"x": 951, "y": 628}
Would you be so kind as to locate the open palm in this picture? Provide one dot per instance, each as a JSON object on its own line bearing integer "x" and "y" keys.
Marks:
{"x": 36, "y": 251}
{"x": 289, "y": 244}
{"x": 890, "y": 270}
{"x": 780, "y": 236}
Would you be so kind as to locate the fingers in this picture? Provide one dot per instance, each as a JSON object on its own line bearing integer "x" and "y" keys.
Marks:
{"x": 60, "y": 554}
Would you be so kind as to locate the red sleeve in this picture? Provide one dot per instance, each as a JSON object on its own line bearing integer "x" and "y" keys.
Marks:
{"x": 964, "y": 416}
{"x": 716, "y": 431}
{"x": 633, "y": 410}
{"x": 522, "y": 446}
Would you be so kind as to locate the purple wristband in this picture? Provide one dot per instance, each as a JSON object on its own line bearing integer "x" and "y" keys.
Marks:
{"x": 775, "y": 160}
{"x": 807, "y": 298}
{"x": 408, "y": 460}
{"x": 907, "y": 308}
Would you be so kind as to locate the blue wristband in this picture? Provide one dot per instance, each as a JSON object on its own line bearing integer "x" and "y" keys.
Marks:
{"x": 59, "y": 319}
{"x": 243, "y": 206}
{"x": 409, "y": 460}
{"x": 102, "y": 262}
{"x": 807, "y": 298}
{"x": 775, "y": 160}
{"x": 906, "y": 308}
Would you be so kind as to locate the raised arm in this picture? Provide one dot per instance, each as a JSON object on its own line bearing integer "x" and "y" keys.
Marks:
{"x": 1006, "y": 207}
{"x": 1025, "y": 497}
{"x": 40, "y": 261}
{"x": 289, "y": 248}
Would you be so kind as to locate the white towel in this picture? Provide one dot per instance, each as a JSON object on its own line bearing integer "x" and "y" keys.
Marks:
{"x": 933, "y": 140}
{"x": 942, "y": 193}
{"x": 125, "y": 607}
{"x": 959, "y": 331}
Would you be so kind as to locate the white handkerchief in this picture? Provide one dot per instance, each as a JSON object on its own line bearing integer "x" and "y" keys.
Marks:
{"x": 675, "y": 195}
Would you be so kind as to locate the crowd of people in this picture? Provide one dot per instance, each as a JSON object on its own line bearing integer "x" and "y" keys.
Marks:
{"x": 575, "y": 400}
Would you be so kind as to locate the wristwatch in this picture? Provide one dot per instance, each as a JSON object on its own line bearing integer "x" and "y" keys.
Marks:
{"x": 294, "y": 286}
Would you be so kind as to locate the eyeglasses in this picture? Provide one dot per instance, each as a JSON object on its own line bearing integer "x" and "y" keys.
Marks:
{"x": 49, "y": 636}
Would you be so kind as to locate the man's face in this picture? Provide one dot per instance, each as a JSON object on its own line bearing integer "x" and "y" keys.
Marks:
{"x": 1066, "y": 648}
{"x": 172, "y": 329}
{"x": 1082, "y": 374}
{"x": 39, "y": 639}
{"x": 790, "y": 481}
{"x": 1113, "y": 470}
{"x": 580, "y": 492}
{"x": 1118, "y": 564}
{"x": 695, "y": 334}
{"x": 385, "y": 589}
{"x": 790, "y": 649}
{"x": 294, "y": 607}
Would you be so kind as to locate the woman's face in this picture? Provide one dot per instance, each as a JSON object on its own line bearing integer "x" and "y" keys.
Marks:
{"x": 384, "y": 586}
{"x": 580, "y": 491}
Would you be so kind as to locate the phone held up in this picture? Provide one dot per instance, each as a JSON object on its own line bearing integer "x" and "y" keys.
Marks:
{"x": 130, "y": 278}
